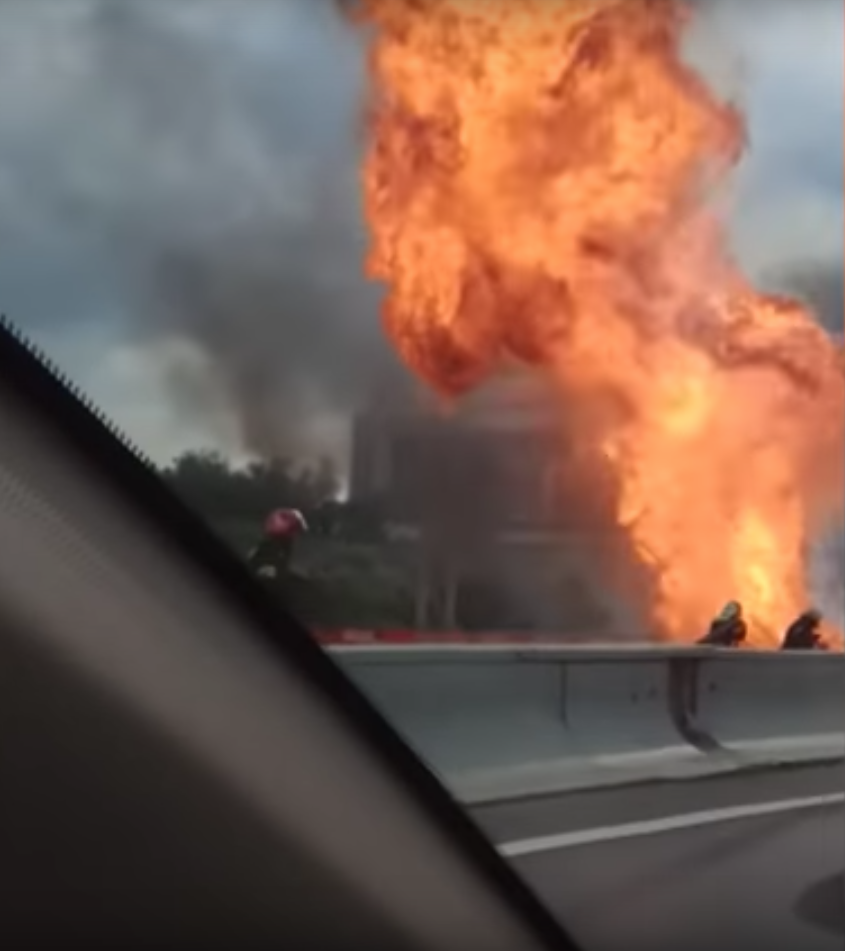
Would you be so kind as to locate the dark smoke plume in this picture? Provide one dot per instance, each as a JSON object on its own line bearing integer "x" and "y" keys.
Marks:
{"x": 272, "y": 291}
{"x": 819, "y": 285}
{"x": 288, "y": 329}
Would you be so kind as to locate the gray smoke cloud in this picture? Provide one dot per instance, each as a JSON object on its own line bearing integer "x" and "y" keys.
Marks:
{"x": 266, "y": 277}
{"x": 203, "y": 158}
{"x": 821, "y": 286}
{"x": 827, "y": 575}
{"x": 287, "y": 328}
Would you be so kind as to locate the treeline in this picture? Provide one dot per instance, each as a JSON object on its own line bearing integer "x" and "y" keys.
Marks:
{"x": 227, "y": 495}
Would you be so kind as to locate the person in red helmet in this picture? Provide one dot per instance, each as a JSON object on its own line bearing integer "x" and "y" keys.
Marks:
{"x": 270, "y": 559}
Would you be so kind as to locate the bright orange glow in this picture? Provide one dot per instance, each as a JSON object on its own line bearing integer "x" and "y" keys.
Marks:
{"x": 540, "y": 184}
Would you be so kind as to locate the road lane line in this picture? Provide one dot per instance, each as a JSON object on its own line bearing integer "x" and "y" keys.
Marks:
{"x": 690, "y": 820}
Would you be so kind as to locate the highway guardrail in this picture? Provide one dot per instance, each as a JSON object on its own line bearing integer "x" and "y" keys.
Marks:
{"x": 498, "y": 722}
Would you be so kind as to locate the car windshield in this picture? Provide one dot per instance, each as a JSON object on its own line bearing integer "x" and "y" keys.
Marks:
{"x": 503, "y": 341}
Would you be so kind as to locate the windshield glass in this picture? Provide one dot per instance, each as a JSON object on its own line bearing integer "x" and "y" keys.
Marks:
{"x": 504, "y": 342}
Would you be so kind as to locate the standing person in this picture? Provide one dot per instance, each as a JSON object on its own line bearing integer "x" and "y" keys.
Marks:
{"x": 271, "y": 557}
{"x": 728, "y": 628}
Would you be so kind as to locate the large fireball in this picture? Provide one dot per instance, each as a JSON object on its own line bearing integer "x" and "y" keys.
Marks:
{"x": 541, "y": 182}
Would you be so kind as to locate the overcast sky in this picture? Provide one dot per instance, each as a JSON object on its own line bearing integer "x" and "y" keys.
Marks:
{"x": 187, "y": 151}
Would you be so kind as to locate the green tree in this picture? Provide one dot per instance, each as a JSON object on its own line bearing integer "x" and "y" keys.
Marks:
{"x": 222, "y": 492}
{"x": 236, "y": 500}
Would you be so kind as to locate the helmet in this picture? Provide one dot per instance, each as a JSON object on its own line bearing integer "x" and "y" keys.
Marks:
{"x": 282, "y": 523}
{"x": 814, "y": 615}
{"x": 731, "y": 611}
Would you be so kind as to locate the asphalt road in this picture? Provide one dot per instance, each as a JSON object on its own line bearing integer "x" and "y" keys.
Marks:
{"x": 545, "y": 815}
{"x": 773, "y": 880}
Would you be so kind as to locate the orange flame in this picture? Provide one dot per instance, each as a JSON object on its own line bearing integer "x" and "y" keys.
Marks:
{"x": 541, "y": 184}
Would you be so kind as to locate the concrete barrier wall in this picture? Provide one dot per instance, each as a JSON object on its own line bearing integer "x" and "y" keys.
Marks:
{"x": 757, "y": 705}
{"x": 497, "y": 722}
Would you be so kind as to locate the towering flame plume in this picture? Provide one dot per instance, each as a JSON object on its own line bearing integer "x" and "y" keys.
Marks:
{"x": 541, "y": 185}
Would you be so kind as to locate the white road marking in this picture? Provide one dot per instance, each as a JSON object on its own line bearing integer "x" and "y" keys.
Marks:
{"x": 691, "y": 820}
